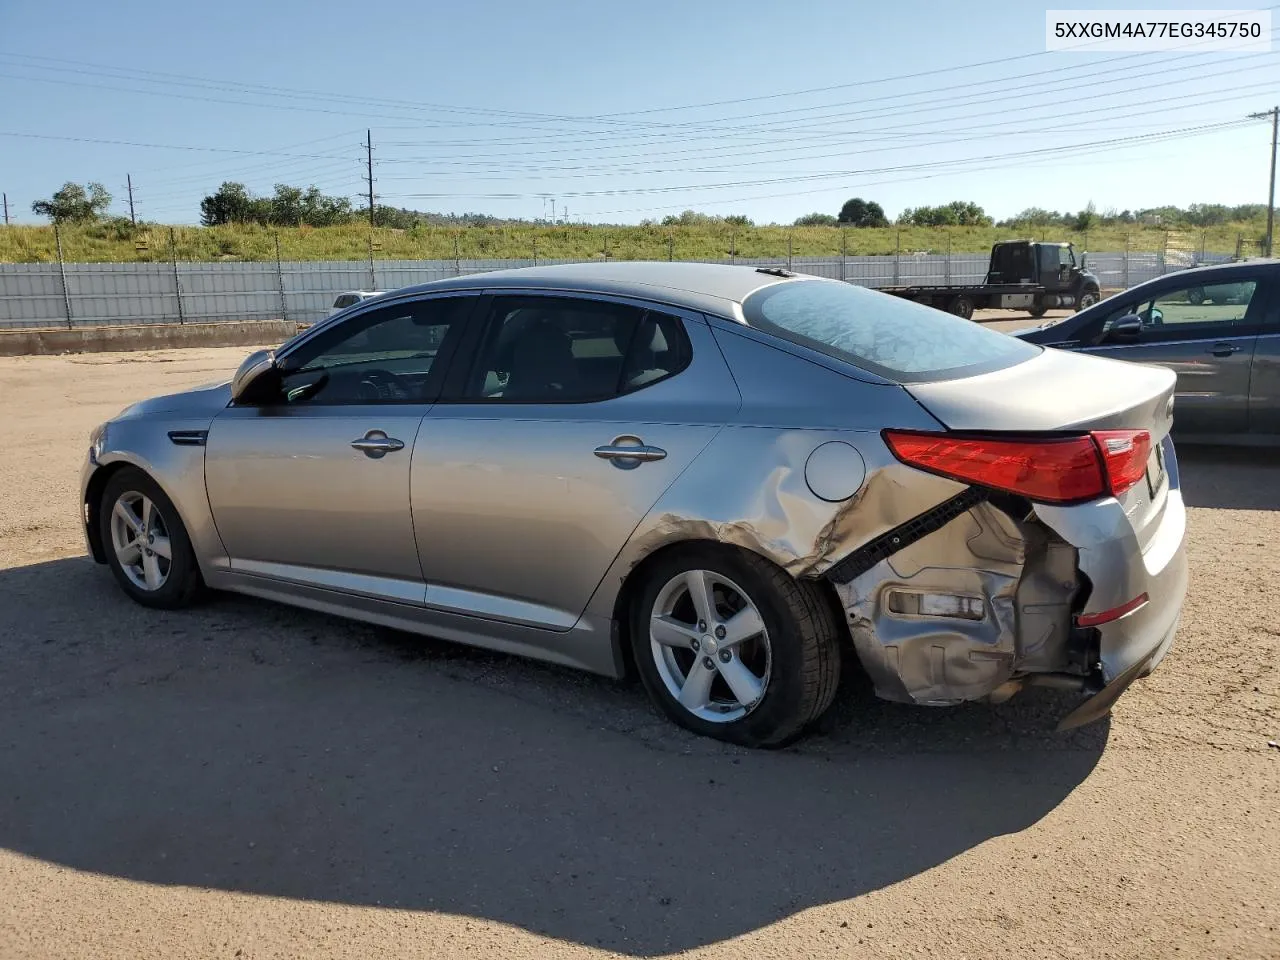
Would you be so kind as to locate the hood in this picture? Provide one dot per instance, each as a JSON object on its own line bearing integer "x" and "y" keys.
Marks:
{"x": 208, "y": 399}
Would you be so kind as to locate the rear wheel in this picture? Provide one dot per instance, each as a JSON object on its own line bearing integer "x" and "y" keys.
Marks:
{"x": 962, "y": 307}
{"x": 1038, "y": 311}
{"x": 147, "y": 546}
{"x": 731, "y": 647}
{"x": 1195, "y": 295}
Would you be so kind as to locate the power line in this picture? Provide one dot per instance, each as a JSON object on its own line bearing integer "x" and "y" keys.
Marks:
{"x": 169, "y": 79}
{"x": 1113, "y": 142}
{"x": 1049, "y": 162}
{"x": 977, "y": 134}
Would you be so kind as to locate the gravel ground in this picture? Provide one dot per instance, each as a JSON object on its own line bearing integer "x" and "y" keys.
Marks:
{"x": 247, "y": 780}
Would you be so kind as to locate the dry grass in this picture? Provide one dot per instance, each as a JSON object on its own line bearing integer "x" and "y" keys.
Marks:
{"x": 111, "y": 243}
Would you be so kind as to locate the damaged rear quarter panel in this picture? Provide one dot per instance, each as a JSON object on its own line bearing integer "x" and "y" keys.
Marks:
{"x": 747, "y": 488}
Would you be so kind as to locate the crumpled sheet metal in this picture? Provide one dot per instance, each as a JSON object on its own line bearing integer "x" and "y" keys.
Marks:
{"x": 942, "y": 660}
{"x": 764, "y": 504}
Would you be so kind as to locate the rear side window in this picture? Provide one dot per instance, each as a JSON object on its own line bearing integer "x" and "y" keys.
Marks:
{"x": 894, "y": 338}
{"x": 344, "y": 301}
{"x": 574, "y": 350}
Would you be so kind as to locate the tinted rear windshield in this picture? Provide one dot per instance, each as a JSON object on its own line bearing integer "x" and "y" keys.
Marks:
{"x": 895, "y": 338}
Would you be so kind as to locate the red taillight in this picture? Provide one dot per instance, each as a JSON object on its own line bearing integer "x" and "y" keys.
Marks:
{"x": 1124, "y": 455}
{"x": 1047, "y": 469}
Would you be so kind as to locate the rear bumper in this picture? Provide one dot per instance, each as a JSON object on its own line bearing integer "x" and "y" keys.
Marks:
{"x": 1100, "y": 704}
{"x": 1120, "y": 568}
{"x": 1028, "y": 578}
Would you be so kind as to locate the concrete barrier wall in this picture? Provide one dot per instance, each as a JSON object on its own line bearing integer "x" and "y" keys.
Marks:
{"x": 149, "y": 336}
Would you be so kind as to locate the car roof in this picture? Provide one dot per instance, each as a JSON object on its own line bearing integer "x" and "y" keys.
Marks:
{"x": 1210, "y": 270}
{"x": 697, "y": 286}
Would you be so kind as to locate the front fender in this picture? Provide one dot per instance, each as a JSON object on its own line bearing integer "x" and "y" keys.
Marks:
{"x": 178, "y": 469}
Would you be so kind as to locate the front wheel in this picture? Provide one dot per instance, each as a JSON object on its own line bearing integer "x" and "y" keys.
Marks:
{"x": 147, "y": 545}
{"x": 1087, "y": 300}
{"x": 729, "y": 646}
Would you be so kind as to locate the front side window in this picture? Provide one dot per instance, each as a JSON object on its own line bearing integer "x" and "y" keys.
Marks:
{"x": 572, "y": 350}
{"x": 383, "y": 356}
{"x": 889, "y": 336}
{"x": 1211, "y": 305}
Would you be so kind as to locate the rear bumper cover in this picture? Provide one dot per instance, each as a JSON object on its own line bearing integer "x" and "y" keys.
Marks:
{"x": 1100, "y": 704}
{"x": 1028, "y": 575}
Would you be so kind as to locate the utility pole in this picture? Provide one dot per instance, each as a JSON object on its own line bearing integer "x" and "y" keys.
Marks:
{"x": 129, "y": 181}
{"x": 368, "y": 148}
{"x": 1274, "y": 114}
{"x": 6, "y": 209}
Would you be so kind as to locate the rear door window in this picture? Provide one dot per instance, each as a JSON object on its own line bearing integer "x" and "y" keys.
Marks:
{"x": 894, "y": 338}
{"x": 573, "y": 350}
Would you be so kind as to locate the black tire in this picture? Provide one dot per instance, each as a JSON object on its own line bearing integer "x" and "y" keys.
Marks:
{"x": 961, "y": 307}
{"x": 1038, "y": 311}
{"x": 1087, "y": 299}
{"x": 182, "y": 583}
{"x": 803, "y": 631}
{"x": 1195, "y": 295}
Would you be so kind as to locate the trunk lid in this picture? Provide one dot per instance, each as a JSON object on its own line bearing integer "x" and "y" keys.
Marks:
{"x": 1055, "y": 391}
{"x": 1066, "y": 393}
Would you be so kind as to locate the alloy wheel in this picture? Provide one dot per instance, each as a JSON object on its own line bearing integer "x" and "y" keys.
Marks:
{"x": 710, "y": 646}
{"x": 140, "y": 538}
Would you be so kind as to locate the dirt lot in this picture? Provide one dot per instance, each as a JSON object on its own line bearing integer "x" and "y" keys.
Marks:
{"x": 246, "y": 780}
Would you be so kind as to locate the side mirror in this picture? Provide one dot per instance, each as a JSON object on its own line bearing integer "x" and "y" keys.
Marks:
{"x": 258, "y": 371}
{"x": 1127, "y": 329}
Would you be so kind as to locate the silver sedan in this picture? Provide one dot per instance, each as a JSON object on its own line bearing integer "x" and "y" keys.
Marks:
{"x": 723, "y": 478}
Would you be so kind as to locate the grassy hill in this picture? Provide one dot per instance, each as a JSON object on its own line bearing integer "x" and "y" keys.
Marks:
{"x": 110, "y": 242}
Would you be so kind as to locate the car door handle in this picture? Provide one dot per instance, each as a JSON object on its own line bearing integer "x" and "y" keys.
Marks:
{"x": 375, "y": 444}
{"x": 1223, "y": 349}
{"x": 629, "y": 454}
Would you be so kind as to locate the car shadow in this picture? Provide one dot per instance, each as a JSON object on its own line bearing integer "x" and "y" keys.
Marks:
{"x": 249, "y": 747}
{"x": 1231, "y": 478}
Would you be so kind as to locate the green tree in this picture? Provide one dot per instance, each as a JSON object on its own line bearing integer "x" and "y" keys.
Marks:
{"x": 862, "y": 213}
{"x": 286, "y": 206}
{"x": 1034, "y": 217}
{"x": 74, "y": 204}
{"x": 319, "y": 210}
{"x": 957, "y": 213}
{"x": 230, "y": 203}
{"x": 816, "y": 220}
{"x": 1086, "y": 218}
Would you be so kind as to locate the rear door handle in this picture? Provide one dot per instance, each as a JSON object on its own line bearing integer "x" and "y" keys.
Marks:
{"x": 1223, "y": 349}
{"x": 376, "y": 444}
{"x": 628, "y": 452}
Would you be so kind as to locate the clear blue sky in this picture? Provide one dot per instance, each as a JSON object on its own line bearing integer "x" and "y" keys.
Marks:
{"x": 498, "y": 106}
